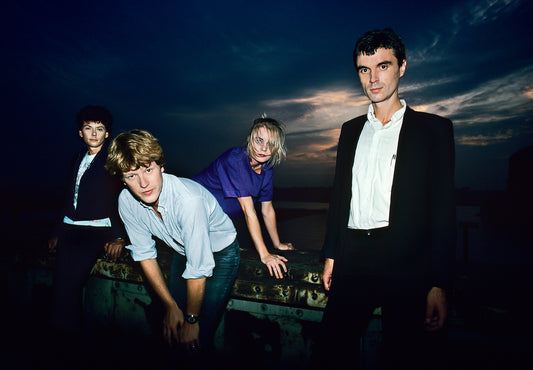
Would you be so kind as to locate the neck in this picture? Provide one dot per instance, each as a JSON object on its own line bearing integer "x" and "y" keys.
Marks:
{"x": 93, "y": 151}
{"x": 384, "y": 110}
{"x": 256, "y": 166}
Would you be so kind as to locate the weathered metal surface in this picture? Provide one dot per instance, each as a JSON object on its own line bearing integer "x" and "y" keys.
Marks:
{"x": 301, "y": 286}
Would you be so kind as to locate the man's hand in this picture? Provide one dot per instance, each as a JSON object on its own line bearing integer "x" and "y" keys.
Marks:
{"x": 328, "y": 272}
{"x": 114, "y": 248}
{"x": 52, "y": 244}
{"x": 275, "y": 264}
{"x": 189, "y": 335}
{"x": 172, "y": 324}
{"x": 437, "y": 309}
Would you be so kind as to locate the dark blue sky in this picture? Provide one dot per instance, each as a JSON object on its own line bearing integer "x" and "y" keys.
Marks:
{"x": 196, "y": 73}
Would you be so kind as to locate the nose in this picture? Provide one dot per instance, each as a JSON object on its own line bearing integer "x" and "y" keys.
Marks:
{"x": 373, "y": 76}
{"x": 143, "y": 181}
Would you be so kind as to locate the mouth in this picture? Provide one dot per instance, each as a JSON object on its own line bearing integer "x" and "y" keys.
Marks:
{"x": 148, "y": 192}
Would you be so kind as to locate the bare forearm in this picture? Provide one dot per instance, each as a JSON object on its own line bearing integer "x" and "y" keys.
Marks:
{"x": 155, "y": 278}
{"x": 195, "y": 295}
{"x": 269, "y": 215}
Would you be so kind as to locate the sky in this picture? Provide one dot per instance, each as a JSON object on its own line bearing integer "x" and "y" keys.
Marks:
{"x": 196, "y": 73}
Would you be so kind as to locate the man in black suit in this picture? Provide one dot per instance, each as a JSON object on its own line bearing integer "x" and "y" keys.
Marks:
{"x": 390, "y": 239}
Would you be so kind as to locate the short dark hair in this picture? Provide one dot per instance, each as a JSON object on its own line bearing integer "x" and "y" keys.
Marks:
{"x": 94, "y": 113}
{"x": 376, "y": 39}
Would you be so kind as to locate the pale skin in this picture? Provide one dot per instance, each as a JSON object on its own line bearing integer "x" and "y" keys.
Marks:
{"x": 94, "y": 135}
{"x": 275, "y": 263}
{"x": 380, "y": 75}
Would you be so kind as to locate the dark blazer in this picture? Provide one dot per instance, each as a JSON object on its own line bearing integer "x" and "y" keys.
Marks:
{"x": 97, "y": 193}
{"x": 422, "y": 224}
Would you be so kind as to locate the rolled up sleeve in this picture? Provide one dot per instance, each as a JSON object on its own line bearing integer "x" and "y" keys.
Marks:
{"x": 196, "y": 241}
{"x": 142, "y": 245}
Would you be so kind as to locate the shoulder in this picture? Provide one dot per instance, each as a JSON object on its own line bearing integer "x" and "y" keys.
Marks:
{"x": 126, "y": 199}
{"x": 354, "y": 122}
{"x": 352, "y": 127}
{"x": 235, "y": 152}
{"x": 424, "y": 117}
{"x": 181, "y": 188}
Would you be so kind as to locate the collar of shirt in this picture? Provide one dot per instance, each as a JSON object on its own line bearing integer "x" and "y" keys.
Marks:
{"x": 396, "y": 118}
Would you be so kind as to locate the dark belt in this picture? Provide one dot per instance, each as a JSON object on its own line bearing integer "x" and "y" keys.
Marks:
{"x": 369, "y": 232}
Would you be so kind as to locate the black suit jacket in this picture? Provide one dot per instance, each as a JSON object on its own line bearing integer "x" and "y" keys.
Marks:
{"x": 422, "y": 212}
{"x": 97, "y": 193}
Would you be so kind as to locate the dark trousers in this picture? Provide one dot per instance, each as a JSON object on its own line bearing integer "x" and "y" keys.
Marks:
{"x": 358, "y": 287}
{"x": 76, "y": 252}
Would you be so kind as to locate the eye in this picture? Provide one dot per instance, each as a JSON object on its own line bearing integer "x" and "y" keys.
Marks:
{"x": 259, "y": 140}
{"x": 101, "y": 129}
{"x": 384, "y": 67}
{"x": 129, "y": 177}
{"x": 149, "y": 170}
{"x": 363, "y": 70}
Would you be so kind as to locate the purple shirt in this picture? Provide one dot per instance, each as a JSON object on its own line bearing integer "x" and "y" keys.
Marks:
{"x": 231, "y": 176}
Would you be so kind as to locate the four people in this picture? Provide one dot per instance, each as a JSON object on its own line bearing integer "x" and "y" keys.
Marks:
{"x": 89, "y": 222}
{"x": 390, "y": 228}
{"x": 244, "y": 175}
{"x": 390, "y": 238}
{"x": 187, "y": 218}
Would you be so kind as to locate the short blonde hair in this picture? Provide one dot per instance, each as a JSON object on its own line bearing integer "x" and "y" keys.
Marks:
{"x": 277, "y": 138}
{"x": 131, "y": 150}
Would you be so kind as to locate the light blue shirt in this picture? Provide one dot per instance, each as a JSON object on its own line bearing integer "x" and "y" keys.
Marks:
{"x": 192, "y": 223}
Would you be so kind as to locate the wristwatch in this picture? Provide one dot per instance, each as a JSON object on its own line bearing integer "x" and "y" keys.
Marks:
{"x": 191, "y": 319}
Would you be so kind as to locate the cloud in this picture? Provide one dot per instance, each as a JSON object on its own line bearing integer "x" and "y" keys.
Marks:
{"x": 484, "y": 140}
{"x": 479, "y": 12}
{"x": 323, "y": 108}
{"x": 495, "y": 100}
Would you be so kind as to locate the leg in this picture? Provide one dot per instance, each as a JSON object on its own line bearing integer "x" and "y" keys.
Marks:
{"x": 347, "y": 314}
{"x": 218, "y": 289}
{"x": 78, "y": 248}
{"x": 406, "y": 344}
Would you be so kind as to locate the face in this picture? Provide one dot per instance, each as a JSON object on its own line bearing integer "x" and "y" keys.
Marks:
{"x": 145, "y": 183}
{"x": 262, "y": 146}
{"x": 380, "y": 75}
{"x": 94, "y": 135}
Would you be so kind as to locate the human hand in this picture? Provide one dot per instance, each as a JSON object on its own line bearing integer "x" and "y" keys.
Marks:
{"x": 285, "y": 247}
{"x": 437, "y": 309}
{"x": 52, "y": 244}
{"x": 172, "y": 324}
{"x": 189, "y": 336}
{"x": 275, "y": 264}
{"x": 114, "y": 248}
{"x": 327, "y": 273}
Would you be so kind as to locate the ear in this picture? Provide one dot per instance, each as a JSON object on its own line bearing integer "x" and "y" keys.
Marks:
{"x": 402, "y": 67}
{"x": 106, "y": 134}
{"x": 162, "y": 169}
{"x": 80, "y": 133}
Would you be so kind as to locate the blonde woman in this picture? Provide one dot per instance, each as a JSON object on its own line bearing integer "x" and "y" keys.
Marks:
{"x": 242, "y": 176}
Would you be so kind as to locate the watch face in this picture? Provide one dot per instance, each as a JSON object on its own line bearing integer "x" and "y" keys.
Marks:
{"x": 191, "y": 319}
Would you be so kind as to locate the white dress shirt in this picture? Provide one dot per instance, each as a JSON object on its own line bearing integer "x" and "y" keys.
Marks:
{"x": 373, "y": 171}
